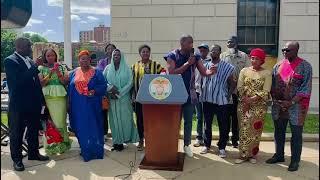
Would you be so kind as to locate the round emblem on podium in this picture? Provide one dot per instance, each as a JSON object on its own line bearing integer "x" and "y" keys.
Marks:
{"x": 160, "y": 88}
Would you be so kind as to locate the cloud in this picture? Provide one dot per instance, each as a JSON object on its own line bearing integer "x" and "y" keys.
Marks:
{"x": 92, "y": 18}
{"x": 75, "y": 17}
{"x": 30, "y": 32}
{"x": 83, "y": 22}
{"x": 99, "y": 7}
{"x": 34, "y": 21}
{"x": 47, "y": 32}
{"x": 43, "y": 15}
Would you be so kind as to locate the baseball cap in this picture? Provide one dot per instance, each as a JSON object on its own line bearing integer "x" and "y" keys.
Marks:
{"x": 203, "y": 46}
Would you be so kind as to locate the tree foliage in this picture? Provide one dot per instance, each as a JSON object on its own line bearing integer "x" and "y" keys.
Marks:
{"x": 35, "y": 37}
{"x": 7, "y": 44}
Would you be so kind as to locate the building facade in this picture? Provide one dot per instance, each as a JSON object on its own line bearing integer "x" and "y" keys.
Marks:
{"x": 100, "y": 34}
{"x": 86, "y": 36}
{"x": 267, "y": 24}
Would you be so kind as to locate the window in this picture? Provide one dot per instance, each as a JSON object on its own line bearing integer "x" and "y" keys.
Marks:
{"x": 258, "y": 25}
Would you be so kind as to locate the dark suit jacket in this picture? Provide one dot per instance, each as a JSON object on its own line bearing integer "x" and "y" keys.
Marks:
{"x": 25, "y": 91}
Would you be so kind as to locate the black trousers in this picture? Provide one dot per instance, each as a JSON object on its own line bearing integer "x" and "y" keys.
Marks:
{"x": 209, "y": 111}
{"x": 280, "y": 127}
{"x": 233, "y": 119}
{"x": 17, "y": 123}
{"x": 139, "y": 114}
{"x": 105, "y": 121}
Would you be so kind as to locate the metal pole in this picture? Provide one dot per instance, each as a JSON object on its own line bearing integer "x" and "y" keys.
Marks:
{"x": 67, "y": 33}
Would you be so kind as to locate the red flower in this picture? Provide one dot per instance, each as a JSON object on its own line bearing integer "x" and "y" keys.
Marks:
{"x": 257, "y": 125}
{"x": 255, "y": 150}
{"x": 52, "y": 134}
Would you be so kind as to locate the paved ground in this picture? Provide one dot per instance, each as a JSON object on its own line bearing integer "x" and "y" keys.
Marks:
{"x": 70, "y": 166}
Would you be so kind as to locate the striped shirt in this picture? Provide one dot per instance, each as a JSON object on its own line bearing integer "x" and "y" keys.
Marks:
{"x": 139, "y": 69}
{"x": 215, "y": 88}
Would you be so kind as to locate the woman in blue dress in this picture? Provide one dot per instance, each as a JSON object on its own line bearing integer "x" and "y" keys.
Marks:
{"x": 86, "y": 89}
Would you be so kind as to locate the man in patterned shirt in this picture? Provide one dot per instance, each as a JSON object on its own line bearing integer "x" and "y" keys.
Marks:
{"x": 291, "y": 91}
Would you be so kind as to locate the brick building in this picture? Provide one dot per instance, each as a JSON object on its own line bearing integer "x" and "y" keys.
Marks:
{"x": 100, "y": 34}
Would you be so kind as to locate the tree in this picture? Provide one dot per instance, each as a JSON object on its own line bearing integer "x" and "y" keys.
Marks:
{"x": 7, "y": 44}
{"x": 35, "y": 37}
{"x": 61, "y": 54}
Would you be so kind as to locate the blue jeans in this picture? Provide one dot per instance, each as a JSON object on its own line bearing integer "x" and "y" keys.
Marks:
{"x": 199, "y": 121}
{"x": 280, "y": 127}
{"x": 187, "y": 112}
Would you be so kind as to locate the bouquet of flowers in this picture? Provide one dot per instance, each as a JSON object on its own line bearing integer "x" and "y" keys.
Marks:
{"x": 52, "y": 134}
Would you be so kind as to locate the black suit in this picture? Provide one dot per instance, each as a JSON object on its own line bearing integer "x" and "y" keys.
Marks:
{"x": 25, "y": 103}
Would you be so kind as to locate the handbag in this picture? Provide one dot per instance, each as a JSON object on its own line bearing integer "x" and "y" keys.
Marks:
{"x": 105, "y": 103}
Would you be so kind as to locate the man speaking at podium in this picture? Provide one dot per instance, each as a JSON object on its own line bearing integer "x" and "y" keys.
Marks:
{"x": 183, "y": 61}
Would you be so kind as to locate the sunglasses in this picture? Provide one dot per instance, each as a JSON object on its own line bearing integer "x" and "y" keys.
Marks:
{"x": 285, "y": 50}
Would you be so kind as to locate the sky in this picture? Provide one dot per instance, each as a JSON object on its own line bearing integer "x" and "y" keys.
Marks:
{"x": 47, "y": 18}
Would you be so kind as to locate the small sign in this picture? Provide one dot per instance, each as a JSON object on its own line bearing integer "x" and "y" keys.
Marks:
{"x": 160, "y": 88}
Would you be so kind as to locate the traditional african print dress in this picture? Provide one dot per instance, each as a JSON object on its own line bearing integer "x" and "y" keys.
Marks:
{"x": 56, "y": 100}
{"x": 251, "y": 122}
{"x": 86, "y": 118}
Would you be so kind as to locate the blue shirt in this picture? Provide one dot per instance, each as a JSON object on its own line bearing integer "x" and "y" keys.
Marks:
{"x": 215, "y": 88}
{"x": 180, "y": 59}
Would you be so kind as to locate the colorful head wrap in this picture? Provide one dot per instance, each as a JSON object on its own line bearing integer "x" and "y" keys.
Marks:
{"x": 83, "y": 52}
{"x": 259, "y": 53}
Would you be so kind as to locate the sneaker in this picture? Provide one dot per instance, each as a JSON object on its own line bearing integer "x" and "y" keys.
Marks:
{"x": 198, "y": 143}
{"x": 253, "y": 160}
{"x": 204, "y": 150}
{"x": 188, "y": 151}
{"x": 239, "y": 161}
{"x": 222, "y": 153}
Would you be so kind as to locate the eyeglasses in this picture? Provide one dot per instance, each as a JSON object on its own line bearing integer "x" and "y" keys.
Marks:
{"x": 285, "y": 50}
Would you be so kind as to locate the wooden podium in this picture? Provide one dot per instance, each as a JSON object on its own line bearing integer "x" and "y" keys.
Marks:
{"x": 161, "y": 97}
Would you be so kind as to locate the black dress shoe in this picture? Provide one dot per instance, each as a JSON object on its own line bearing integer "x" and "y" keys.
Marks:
{"x": 18, "y": 166}
{"x": 39, "y": 157}
{"x": 274, "y": 160}
{"x": 120, "y": 147}
{"x": 294, "y": 166}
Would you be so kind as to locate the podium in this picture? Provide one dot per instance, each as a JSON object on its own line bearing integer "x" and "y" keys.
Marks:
{"x": 161, "y": 97}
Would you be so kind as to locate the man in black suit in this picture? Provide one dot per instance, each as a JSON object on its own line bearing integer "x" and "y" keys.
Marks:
{"x": 25, "y": 103}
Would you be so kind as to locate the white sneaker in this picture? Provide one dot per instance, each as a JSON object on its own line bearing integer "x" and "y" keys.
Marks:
{"x": 188, "y": 151}
{"x": 198, "y": 143}
{"x": 253, "y": 160}
{"x": 222, "y": 153}
{"x": 204, "y": 150}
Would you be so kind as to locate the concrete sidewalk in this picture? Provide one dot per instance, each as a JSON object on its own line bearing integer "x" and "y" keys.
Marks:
{"x": 70, "y": 166}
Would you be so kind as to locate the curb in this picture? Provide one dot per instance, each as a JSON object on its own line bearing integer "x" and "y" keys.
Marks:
{"x": 264, "y": 136}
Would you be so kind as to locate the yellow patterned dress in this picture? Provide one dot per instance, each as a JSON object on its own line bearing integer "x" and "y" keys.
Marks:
{"x": 252, "y": 83}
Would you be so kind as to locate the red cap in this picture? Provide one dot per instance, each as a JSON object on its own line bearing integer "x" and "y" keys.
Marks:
{"x": 259, "y": 53}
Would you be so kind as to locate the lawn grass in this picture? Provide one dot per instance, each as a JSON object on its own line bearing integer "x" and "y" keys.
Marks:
{"x": 311, "y": 125}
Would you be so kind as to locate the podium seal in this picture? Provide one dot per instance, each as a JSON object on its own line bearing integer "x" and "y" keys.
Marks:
{"x": 160, "y": 88}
